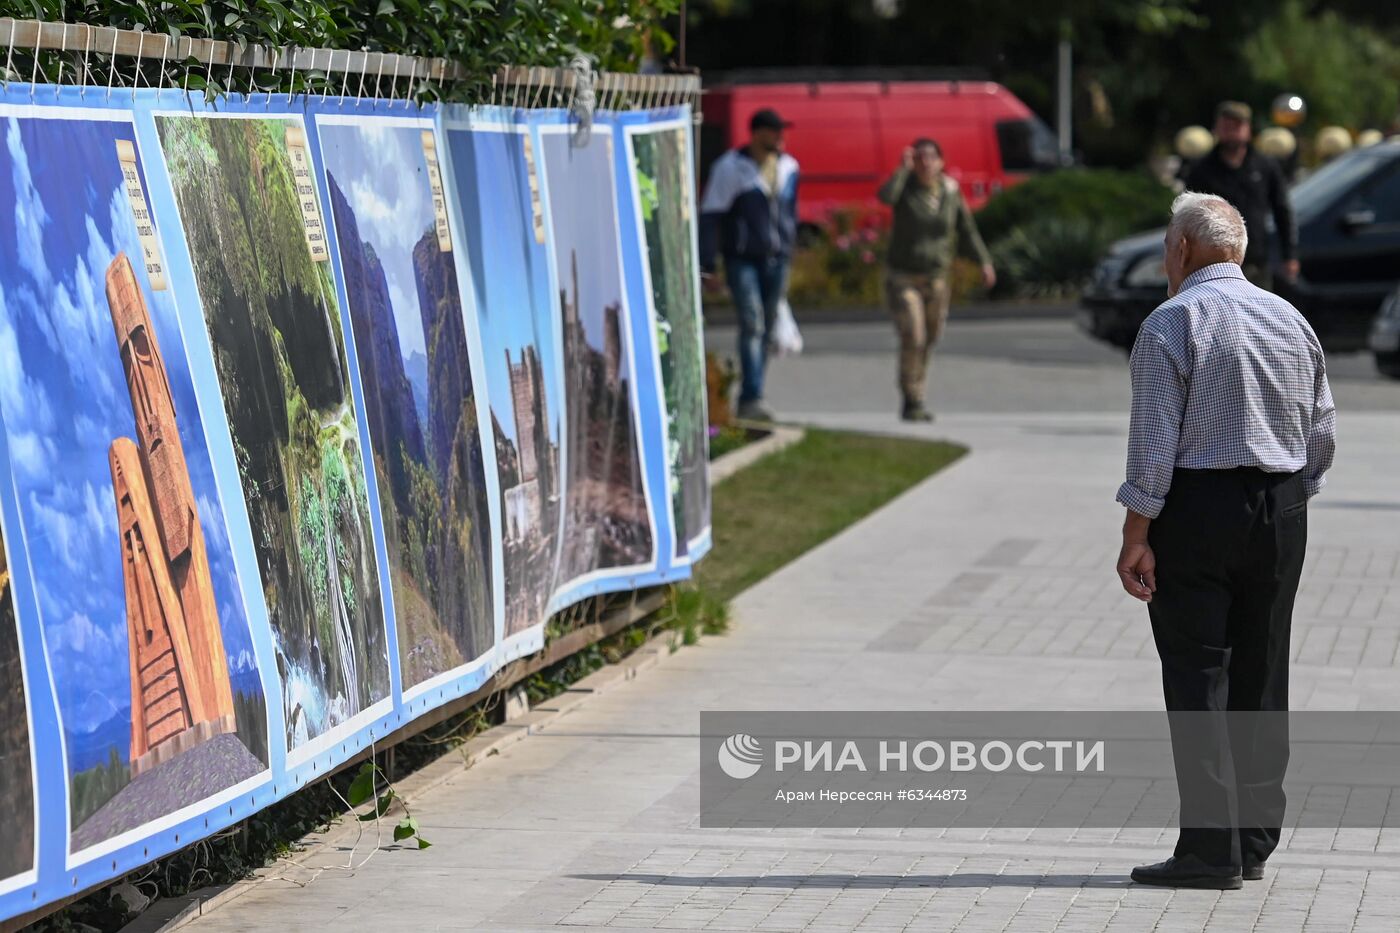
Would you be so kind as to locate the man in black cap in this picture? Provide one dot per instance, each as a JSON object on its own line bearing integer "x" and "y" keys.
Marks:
{"x": 1255, "y": 185}
{"x": 749, "y": 214}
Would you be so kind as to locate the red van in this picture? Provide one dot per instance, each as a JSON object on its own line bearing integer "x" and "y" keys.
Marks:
{"x": 849, "y": 135}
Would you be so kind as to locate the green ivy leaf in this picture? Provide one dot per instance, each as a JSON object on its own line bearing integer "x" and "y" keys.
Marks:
{"x": 407, "y": 827}
{"x": 362, "y": 788}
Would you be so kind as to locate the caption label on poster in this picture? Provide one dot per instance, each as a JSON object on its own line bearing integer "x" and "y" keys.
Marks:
{"x": 444, "y": 233}
{"x": 306, "y": 195}
{"x": 145, "y": 227}
{"x": 536, "y": 204}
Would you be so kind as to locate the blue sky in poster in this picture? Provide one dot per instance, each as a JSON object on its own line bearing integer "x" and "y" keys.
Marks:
{"x": 382, "y": 172}
{"x": 64, "y": 400}
{"x": 509, "y": 271}
{"x": 581, "y": 210}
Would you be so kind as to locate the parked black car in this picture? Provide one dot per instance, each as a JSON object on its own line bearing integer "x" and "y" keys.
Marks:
{"x": 1348, "y": 246}
{"x": 1385, "y": 336}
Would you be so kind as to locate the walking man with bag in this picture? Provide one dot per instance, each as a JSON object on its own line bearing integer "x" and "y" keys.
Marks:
{"x": 749, "y": 214}
{"x": 1232, "y": 431}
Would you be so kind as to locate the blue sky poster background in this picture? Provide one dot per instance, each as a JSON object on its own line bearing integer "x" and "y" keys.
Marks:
{"x": 381, "y": 171}
{"x": 510, "y": 272}
{"x": 64, "y": 400}
{"x": 582, "y": 209}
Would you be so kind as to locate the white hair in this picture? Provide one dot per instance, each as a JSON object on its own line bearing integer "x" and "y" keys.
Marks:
{"x": 1211, "y": 221}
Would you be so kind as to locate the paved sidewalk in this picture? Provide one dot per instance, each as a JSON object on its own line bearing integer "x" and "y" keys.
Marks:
{"x": 988, "y": 587}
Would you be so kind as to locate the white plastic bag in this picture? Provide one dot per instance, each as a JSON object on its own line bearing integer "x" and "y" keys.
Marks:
{"x": 786, "y": 339}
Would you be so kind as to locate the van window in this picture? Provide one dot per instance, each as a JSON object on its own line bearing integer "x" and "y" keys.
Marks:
{"x": 1027, "y": 145}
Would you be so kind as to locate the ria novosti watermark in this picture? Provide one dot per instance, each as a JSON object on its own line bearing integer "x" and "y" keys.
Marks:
{"x": 1029, "y": 769}
{"x": 741, "y": 755}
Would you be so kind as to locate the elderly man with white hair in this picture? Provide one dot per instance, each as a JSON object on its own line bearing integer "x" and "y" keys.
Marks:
{"x": 1232, "y": 431}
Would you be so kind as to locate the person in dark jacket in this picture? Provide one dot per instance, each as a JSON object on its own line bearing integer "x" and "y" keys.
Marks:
{"x": 1255, "y": 185}
{"x": 931, "y": 219}
{"x": 749, "y": 215}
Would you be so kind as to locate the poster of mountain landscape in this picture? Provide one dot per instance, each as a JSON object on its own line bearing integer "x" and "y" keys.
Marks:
{"x": 607, "y": 519}
{"x": 279, "y": 352}
{"x": 504, "y": 242}
{"x": 16, "y": 775}
{"x": 148, "y": 643}
{"x": 411, "y": 345}
{"x": 661, "y": 161}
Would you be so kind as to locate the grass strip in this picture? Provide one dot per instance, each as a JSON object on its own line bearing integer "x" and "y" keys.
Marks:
{"x": 773, "y": 512}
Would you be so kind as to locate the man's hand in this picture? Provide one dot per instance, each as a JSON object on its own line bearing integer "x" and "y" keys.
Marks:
{"x": 711, "y": 283}
{"x": 906, "y": 160}
{"x": 989, "y": 276}
{"x": 1137, "y": 565}
{"x": 1290, "y": 270}
{"x": 1137, "y": 570}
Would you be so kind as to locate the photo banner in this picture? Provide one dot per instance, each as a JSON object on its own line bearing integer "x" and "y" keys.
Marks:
{"x": 312, "y": 411}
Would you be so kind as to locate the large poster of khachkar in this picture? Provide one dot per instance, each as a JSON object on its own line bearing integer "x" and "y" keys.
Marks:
{"x": 661, "y": 159}
{"x": 410, "y": 341}
{"x": 607, "y": 521}
{"x": 252, "y": 222}
{"x": 153, "y": 666}
{"x": 503, "y": 236}
{"x": 16, "y": 773}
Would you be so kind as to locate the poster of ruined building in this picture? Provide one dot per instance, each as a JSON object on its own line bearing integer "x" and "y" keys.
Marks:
{"x": 159, "y": 695}
{"x": 501, "y": 235}
{"x": 395, "y": 249}
{"x": 661, "y": 163}
{"x": 16, "y": 771}
{"x": 607, "y": 522}
{"x": 254, "y": 233}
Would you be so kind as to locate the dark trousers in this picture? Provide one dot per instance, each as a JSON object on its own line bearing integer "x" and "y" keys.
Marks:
{"x": 1229, "y": 546}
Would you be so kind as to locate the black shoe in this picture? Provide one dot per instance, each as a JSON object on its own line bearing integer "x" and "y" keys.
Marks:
{"x": 1188, "y": 872}
{"x": 754, "y": 411}
{"x": 915, "y": 411}
{"x": 1253, "y": 872}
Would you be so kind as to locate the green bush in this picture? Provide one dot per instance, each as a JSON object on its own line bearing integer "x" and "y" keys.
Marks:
{"x": 842, "y": 264}
{"x": 1049, "y": 257}
{"x": 480, "y": 34}
{"x": 1117, "y": 202}
{"x": 1047, "y": 233}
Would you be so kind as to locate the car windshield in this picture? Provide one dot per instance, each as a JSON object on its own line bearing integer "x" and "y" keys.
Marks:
{"x": 1323, "y": 188}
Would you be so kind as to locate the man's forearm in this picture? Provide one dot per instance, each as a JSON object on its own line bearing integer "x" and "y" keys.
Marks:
{"x": 1135, "y": 526}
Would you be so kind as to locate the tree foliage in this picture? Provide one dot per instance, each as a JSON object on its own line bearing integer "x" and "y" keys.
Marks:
{"x": 480, "y": 34}
{"x": 1142, "y": 68}
{"x": 1349, "y": 73}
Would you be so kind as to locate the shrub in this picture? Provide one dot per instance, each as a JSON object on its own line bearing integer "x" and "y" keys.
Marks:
{"x": 1049, "y": 257}
{"x": 1116, "y": 202}
{"x": 842, "y": 264}
{"x": 1047, "y": 233}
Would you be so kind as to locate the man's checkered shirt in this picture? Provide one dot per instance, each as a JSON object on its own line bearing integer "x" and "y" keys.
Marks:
{"x": 1225, "y": 375}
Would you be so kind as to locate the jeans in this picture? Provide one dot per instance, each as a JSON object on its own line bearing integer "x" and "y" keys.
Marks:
{"x": 757, "y": 287}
